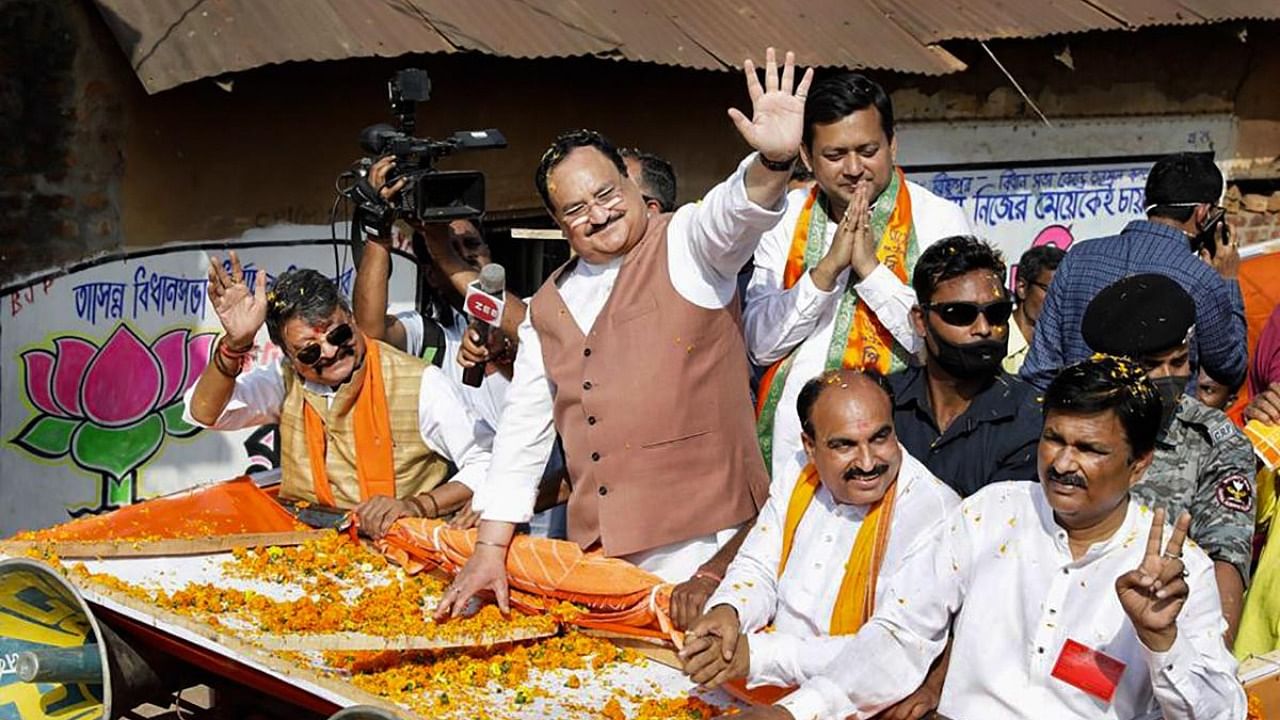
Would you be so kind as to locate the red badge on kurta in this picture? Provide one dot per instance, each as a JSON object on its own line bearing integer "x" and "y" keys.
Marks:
{"x": 1090, "y": 670}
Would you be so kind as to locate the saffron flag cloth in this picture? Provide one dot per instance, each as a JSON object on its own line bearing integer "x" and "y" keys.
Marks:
{"x": 233, "y": 507}
{"x": 617, "y": 595}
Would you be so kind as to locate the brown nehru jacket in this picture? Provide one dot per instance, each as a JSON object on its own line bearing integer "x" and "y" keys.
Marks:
{"x": 653, "y": 409}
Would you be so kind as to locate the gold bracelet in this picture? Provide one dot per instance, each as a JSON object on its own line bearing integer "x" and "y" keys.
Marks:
{"x": 490, "y": 544}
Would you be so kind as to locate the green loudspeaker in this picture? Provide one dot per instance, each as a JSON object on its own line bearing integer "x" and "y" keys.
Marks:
{"x": 56, "y": 660}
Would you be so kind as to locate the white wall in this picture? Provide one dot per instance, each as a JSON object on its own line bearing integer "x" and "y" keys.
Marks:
{"x": 93, "y": 364}
{"x": 1025, "y": 184}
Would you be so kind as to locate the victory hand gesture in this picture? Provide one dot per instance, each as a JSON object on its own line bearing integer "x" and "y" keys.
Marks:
{"x": 777, "y": 114}
{"x": 241, "y": 310}
{"x": 1153, "y": 595}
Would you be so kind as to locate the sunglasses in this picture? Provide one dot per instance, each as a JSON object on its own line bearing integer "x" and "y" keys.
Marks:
{"x": 338, "y": 336}
{"x": 963, "y": 314}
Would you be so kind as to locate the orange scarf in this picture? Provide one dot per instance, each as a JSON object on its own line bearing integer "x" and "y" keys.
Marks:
{"x": 375, "y": 465}
{"x": 855, "y": 602}
{"x": 867, "y": 344}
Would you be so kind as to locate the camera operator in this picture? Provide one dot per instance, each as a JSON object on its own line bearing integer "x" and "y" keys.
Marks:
{"x": 450, "y": 257}
{"x": 441, "y": 249}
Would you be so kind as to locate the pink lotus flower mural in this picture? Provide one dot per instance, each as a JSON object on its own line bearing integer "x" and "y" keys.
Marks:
{"x": 108, "y": 408}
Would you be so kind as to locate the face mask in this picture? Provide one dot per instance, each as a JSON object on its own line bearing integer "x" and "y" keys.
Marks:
{"x": 972, "y": 360}
{"x": 1171, "y": 390}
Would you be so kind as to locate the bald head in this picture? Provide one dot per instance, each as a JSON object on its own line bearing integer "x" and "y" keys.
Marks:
{"x": 865, "y": 386}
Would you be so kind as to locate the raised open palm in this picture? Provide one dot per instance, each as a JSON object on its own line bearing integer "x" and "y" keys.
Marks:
{"x": 241, "y": 310}
{"x": 776, "y": 126}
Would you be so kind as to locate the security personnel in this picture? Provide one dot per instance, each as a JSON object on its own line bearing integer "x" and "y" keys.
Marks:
{"x": 1203, "y": 464}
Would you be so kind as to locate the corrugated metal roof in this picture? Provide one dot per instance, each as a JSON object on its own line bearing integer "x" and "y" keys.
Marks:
{"x": 565, "y": 28}
{"x": 827, "y": 33}
{"x": 933, "y": 21}
{"x": 171, "y": 42}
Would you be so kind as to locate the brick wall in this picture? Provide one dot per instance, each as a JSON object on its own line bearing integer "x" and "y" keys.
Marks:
{"x": 61, "y": 133}
{"x": 1254, "y": 216}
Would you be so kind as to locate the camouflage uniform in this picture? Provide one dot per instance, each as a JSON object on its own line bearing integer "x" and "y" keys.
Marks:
{"x": 1204, "y": 464}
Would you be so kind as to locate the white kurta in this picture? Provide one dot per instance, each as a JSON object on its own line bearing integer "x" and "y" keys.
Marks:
{"x": 485, "y": 401}
{"x": 799, "y": 603}
{"x": 776, "y": 320}
{"x": 445, "y": 421}
{"x": 1002, "y": 566}
{"x": 707, "y": 243}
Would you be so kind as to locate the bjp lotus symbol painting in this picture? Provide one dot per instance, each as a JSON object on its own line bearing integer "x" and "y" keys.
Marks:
{"x": 108, "y": 408}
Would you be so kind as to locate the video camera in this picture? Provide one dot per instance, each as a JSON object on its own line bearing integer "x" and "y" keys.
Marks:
{"x": 430, "y": 195}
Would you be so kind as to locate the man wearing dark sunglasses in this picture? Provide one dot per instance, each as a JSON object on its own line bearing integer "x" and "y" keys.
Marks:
{"x": 1181, "y": 194}
{"x": 363, "y": 426}
{"x": 969, "y": 422}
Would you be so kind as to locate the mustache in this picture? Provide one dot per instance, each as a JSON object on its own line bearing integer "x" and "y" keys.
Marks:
{"x": 613, "y": 218}
{"x": 343, "y": 352}
{"x": 857, "y": 474}
{"x": 1072, "y": 479}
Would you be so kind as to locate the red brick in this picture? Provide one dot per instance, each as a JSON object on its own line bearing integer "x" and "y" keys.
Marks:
{"x": 1256, "y": 203}
{"x": 53, "y": 202}
{"x": 68, "y": 229}
{"x": 16, "y": 183}
{"x": 94, "y": 201}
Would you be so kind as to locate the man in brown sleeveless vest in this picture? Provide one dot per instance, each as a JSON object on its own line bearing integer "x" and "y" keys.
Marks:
{"x": 633, "y": 352}
{"x": 362, "y": 425}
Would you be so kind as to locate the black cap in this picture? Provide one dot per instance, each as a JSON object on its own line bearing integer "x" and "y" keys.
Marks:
{"x": 1139, "y": 315}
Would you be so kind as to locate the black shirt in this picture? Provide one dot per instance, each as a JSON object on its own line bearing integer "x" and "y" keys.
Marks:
{"x": 995, "y": 439}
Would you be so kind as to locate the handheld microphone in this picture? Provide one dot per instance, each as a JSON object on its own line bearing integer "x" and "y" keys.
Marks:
{"x": 484, "y": 303}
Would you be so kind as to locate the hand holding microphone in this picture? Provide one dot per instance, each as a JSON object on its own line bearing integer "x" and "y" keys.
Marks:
{"x": 484, "y": 303}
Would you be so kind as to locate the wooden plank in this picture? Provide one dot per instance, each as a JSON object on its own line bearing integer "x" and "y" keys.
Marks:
{"x": 161, "y": 547}
{"x": 655, "y": 649}
{"x": 351, "y": 641}
{"x": 237, "y": 648}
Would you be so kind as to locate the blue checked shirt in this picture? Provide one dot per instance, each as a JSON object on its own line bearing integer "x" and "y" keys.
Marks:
{"x": 1143, "y": 247}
